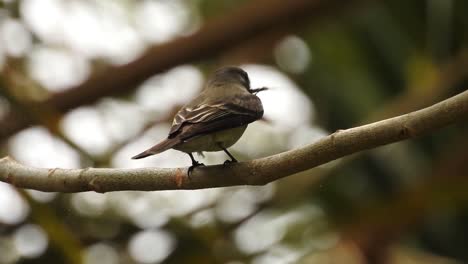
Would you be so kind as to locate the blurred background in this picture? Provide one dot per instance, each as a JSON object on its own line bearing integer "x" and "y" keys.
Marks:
{"x": 91, "y": 83}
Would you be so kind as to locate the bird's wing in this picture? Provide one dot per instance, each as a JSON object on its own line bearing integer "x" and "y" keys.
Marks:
{"x": 210, "y": 117}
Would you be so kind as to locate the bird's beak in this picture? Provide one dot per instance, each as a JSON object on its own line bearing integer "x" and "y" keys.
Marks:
{"x": 255, "y": 91}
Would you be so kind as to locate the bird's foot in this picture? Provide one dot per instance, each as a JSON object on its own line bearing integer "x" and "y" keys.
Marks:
{"x": 194, "y": 165}
{"x": 233, "y": 160}
{"x": 230, "y": 161}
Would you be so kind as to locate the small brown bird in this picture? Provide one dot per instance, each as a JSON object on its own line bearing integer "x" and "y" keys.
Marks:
{"x": 214, "y": 120}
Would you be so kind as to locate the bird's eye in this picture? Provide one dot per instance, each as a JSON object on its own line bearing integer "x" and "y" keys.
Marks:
{"x": 245, "y": 80}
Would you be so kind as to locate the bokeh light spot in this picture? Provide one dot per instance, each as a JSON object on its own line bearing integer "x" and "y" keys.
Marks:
{"x": 15, "y": 37}
{"x": 259, "y": 232}
{"x": 89, "y": 203}
{"x": 85, "y": 126}
{"x": 64, "y": 68}
{"x": 42, "y": 197}
{"x": 48, "y": 151}
{"x": 30, "y": 240}
{"x": 159, "y": 21}
{"x": 13, "y": 208}
{"x": 101, "y": 253}
{"x": 175, "y": 87}
{"x": 151, "y": 246}
{"x": 292, "y": 54}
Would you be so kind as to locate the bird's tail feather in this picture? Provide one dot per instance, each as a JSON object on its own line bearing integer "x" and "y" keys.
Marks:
{"x": 158, "y": 148}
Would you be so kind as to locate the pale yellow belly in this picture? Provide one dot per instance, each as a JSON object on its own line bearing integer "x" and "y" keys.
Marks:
{"x": 211, "y": 142}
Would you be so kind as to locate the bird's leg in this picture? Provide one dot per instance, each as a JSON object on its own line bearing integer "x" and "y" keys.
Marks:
{"x": 229, "y": 154}
{"x": 194, "y": 164}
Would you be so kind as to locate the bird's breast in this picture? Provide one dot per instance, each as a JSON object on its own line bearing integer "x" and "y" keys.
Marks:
{"x": 210, "y": 142}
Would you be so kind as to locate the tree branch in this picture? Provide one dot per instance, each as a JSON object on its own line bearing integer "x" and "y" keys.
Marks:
{"x": 255, "y": 172}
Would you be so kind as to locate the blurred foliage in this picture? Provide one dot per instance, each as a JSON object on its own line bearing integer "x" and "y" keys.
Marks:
{"x": 377, "y": 58}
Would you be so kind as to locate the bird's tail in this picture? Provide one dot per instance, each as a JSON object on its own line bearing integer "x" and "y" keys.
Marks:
{"x": 158, "y": 148}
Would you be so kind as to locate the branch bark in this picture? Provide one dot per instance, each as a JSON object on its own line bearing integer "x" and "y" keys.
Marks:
{"x": 255, "y": 172}
{"x": 214, "y": 37}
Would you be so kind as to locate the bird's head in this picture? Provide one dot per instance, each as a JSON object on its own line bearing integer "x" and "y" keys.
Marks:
{"x": 233, "y": 75}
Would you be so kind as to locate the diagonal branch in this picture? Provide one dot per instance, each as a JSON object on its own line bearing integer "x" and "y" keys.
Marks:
{"x": 255, "y": 172}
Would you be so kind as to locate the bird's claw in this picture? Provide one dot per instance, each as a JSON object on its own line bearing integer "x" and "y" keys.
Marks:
{"x": 194, "y": 165}
{"x": 229, "y": 162}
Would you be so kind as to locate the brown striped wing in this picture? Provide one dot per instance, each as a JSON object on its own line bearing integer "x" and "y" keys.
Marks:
{"x": 206, "y": 118}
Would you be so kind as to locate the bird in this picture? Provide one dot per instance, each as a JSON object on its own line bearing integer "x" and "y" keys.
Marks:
{"x": 214, "y": 120}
